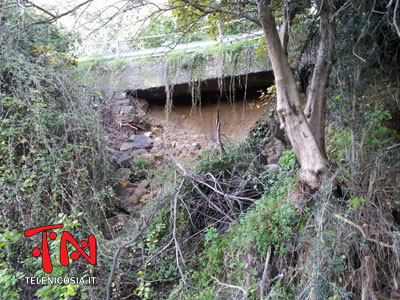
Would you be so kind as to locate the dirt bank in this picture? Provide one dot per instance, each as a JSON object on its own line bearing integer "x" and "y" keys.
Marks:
{"x": 236, "y": 119}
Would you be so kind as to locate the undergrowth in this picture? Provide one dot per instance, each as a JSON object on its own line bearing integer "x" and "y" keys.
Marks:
{"x": 52, "y": 161}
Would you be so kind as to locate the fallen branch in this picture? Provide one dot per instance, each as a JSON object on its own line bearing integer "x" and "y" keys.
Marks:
{"x": 364, "y": 235}
{"x": 215, "y": 197}
{"x": 218, "y": 135}
{"x": 178, "y": 251}
{"x": 265, "y": 282}
{"x": 231, "y": 287}
{"x": 392, "y": 147}
{"x": 131, "y": 124}
{"x": 195, "y": 178}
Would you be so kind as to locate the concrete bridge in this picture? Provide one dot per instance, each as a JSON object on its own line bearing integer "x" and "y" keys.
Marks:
{"x": 188, "y": 71}
{"x": 123, "y": 49}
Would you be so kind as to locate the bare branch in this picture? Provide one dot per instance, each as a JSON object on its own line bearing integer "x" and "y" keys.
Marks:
{"x": 208, "y": 10}
{"x": 41, "y": 9}
{"x": 56, "y": 17}
{"x": 178, "y": 252}
{"x": 364, "y": 235}
{"x": 218, "y": 133}
{"x": 265, "y": 281}
{"x": 231, "y": 287}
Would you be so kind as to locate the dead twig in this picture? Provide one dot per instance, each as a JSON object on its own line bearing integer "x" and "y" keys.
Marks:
{"x": 265, "y": 282}
{"x": 392, "y": 147}
{"x": 218, "y": 135}
{"x": 131, "y": 124}
{"x": 178, "y": 252}
{"x": 232, "y": 287}
{"x": 364, "y": 235}
{"x": 215, "y": 197}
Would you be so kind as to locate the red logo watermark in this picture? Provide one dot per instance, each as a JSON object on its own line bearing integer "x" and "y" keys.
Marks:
{"x": 64, "y": 257}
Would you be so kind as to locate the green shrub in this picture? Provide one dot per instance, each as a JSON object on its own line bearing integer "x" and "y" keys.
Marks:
{"x": 270, "y": 222}
{"x": 237, "y": 157}
{"x": 55, "y": 291}
{"x": 9, "y": 276}
{"x": 52, "y": 158}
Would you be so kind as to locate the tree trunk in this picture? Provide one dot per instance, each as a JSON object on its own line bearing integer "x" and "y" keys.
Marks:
{"x": 290, "y": 113}
{"x": 368, "y": 278}
{"x": 284, "y": 31}
{"x": 289, "y": 12}
{"x": 315, "y": 109}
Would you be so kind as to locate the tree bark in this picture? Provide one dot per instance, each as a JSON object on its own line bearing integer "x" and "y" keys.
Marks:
{"x": 291, "y": 116}
{"x": 289, "y": 12}
{"x": 368, "y": 278}
{"x": 315, "y": 109}
{"x": 284, "y": 31}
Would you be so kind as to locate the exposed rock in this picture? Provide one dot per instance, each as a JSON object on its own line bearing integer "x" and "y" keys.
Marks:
{"x": 127, "y": 146}
{"x": 155, "y": 150}
{"x": 122, "y": 189}
{"x": 111, "y": 150}
{"x": 158, "y": 142}
{"x": 122, "y": 174}
{"x": 145, "y": 198}
{"x": 159, "y": 156}
{"x": 147, "y": 156}
{"x": 117, "y": 220}
{"x": 274, "y": 150}
{"x": 135, "y": 142}
{"x": 131, "y": 138}
{"x": 142, "y": 104}
{"x": 122, "y": 159}
{"x": 132, "y": 201}
{"x": 138, "y": 193}
{"x": 141, "y": 141}
{"x": 114, "y": 224}
{"x": 157, "y": 130}
{"x": 126, "y": 109}
{"x": 138, "y": 152}
{"x": 143, "y": 185}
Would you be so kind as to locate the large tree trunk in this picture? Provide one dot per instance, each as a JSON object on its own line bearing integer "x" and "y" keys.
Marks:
{"x": 315, "y": 109}
{"x": 290, "y": 113}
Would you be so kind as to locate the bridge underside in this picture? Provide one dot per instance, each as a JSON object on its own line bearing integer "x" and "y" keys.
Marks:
{"x": 209, "y": 88}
